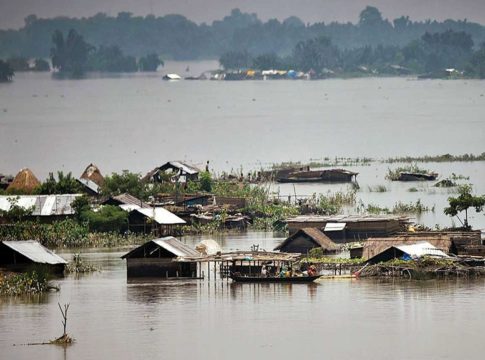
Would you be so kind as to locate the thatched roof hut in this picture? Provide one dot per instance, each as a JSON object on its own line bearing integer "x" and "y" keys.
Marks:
{"x": 25, "y": 181}
{"x": 92, "y": 173}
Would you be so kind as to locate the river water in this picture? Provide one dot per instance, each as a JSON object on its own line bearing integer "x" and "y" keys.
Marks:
{"x": 138, "y": 121}
{"x": 116, "y": 318}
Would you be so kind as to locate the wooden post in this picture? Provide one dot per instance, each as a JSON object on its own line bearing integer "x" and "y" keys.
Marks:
{"x": 215, "y": 270}
{"x": 166, "y": 274}
{"x": 208, "y": 271}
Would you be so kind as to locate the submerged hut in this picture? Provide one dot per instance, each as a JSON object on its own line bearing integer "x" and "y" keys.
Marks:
{"x": 416, "y": 176}
{"x": 156, "y": 259}
{"x": 305, "y": 240}
{"x": 328, "y": 175}
{"x": 407, "y": 252}
{"x": 20, "y": 255}
{"x": 25, "y": 181}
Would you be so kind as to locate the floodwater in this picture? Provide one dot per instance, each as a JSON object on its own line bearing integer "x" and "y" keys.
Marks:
{"x": 112, "y": 317}
{"x": 139, "y": 121}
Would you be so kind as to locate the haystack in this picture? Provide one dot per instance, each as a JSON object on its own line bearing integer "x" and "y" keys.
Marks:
{"x": 92, "y": 173}
{"x": 24, "y": 181}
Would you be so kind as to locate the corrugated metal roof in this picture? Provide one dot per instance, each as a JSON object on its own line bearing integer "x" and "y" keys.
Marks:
{"x": 189, "y": 169}
{"x": 170, "y": 244}
{"x": 91, "y": 185}
{"x": 175, "y": 246}
{"x": 161, "y": 216}
{"x": 420, "y": 249}
{"x": 130, "y": 199}
{"x": 44, "y": 205}
{"x": 35, "y": 251}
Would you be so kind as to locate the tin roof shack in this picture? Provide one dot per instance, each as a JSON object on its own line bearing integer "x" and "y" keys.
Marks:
{"x": 348, "y": 228}
{"x": 407, "y": 252}
{"x": 125, "y": 199}
{"x": 176, "y": 171}
{"x": 306, "y": 239}
{"x": 156, "y": 259}
{"x": 45, "y": 208}
{"x": 156, "y": 220}
{"x": 20, "y": 255}
{"x": 441, "y": 241}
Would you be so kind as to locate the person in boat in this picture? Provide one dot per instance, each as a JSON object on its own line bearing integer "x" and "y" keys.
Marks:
{"x": 264, "y": 271}
{"x": 312, "y": 270}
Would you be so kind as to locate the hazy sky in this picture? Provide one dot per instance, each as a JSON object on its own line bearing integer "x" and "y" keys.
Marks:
{"x": 12, "y": 12}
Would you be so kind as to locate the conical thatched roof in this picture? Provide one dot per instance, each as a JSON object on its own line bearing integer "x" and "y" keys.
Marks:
{"x": 25, "y": 180}
{"x": 92, "y": 173}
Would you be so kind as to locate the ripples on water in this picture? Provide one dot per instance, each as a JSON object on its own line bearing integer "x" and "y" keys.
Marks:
{"x": 112, "y": 317}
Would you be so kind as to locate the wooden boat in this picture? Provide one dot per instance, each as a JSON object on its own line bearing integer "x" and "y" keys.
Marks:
{"x": 259, "y": 279}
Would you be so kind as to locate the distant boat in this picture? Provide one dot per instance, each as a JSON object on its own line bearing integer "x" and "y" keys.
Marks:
{"x": 330, "y": 175}
{"x": 408, "y": 176}
{"x": 172, "y": 77}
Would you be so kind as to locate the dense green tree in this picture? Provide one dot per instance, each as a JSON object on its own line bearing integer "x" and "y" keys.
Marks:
{"x": 64, "y": 184}
{"x": 463, "y": 202}
{"x": 6, "y": 72}
{"x": 316, "y": 55}
{"x": 107, "y": 219}
{"x": 235, "y": 60}
{"x": 70, "y": 55}
{"x": 126, "y": 182}
{"x": 111, "y": 59}
{"x": 18, "y": 63}
{"x": 476, "y": 66}
{"x": 149, "y": 62}
{"x": 267, "y": 62}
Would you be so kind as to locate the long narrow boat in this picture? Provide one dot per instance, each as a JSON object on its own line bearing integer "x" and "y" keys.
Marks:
{"x": 258, "y": 279}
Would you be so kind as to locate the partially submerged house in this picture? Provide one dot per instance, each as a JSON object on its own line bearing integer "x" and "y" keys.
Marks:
{"x": 175, "y": 171}
{"x": 305, "y": 240}
{"x": 348, "y": 228}
{"x": 5, "y": 181}
{"x": 410, "y": 176}
{"x": 45, "y": 208}
{"x": 21, "y": 255}
{"x": 408, "y": 252}
{"x": 144, "y": 218}
{"x": 156, "y": 258}
{"x": 25, "y": 182}
{"x": 450, "y": 242}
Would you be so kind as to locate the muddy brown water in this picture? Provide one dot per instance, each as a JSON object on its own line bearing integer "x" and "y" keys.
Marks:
{"x": 112, "y": 317}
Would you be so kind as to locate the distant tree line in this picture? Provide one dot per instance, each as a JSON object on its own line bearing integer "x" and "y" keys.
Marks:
{"x": 431, "y": 54}
{"x": 72, "y": 55}
{"x": 176, "y": 37}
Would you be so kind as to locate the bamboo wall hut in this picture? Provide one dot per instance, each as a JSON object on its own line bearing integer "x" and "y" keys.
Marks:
{"x": 305, "y": 240}
{"x": 25, "y": 181}
{"x": 156, "y": 259}
{"x": 21, "y": 255}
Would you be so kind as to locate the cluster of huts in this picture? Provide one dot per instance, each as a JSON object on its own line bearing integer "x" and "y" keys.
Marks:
{"x": 161, "y": 216}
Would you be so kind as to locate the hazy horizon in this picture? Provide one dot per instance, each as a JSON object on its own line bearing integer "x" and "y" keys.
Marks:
{"x": 12, "y": 13}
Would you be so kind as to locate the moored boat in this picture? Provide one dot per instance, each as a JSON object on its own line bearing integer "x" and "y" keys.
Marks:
{"x": 260, "y": 279}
